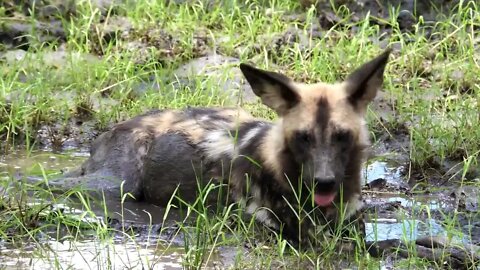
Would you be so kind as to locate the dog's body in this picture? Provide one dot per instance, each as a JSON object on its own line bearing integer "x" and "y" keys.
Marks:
{"x": 300, "y": 171}
{"x": 309, "y": 160}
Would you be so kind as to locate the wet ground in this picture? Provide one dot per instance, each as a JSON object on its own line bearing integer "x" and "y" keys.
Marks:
{"x": 145, "y": 235}
{"x": 394, "y": 212}
{"x": 400, "y": 204}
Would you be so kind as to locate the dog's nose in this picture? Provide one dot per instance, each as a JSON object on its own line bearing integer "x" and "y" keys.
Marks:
{"x": 325, "y": 185}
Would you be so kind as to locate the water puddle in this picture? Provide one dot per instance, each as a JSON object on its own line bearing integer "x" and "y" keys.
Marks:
{"x": 140, "y": 213}
{"x": 145, "y": 248}
{"x": 138, "y": 241}
{"x": 142, "y": 248}
{"x": 415, "y": 202}
{"x": 385, "y": 228}
{"x": 390, "y": 223}
{"x": 32, "y": 163}
{"x": 398, "y": 216}
{"x": 95, "y": 254}
{"x": 385, "y": 170}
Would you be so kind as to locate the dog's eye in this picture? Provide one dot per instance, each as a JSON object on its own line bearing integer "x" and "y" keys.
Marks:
{"x": 341, "y": 137}
{"x": 304, "y": 137}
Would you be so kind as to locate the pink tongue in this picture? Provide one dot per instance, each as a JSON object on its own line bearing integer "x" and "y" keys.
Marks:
{"x": 324, "y": 200}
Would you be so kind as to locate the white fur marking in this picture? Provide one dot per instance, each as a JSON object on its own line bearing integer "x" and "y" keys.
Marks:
{"x": 217, "y": 144}
{"x": 256, "y": 193}
{"x": 204, "y": 118}
{"x": 263, "y": 216}
{"x": 251, "y": 208}
{"x": 353, "y": 206}
{"x": 249, "y": 136}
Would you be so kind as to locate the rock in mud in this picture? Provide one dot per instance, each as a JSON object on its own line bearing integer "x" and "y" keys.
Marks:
{"x": 466, "y": 198}
{"x": 59, "y": 59}
{"x": 406, "y": 20}
{"x": 222, "y": 71}
{"x": 144, "y": 45}
{"x": 72, "y": 135}
{"x": 19, "y": 32}
{"x": 411, "y": 10}
{"x": 377, "y": 184}
{"x": 112, "y": 28}
{"x": 53, "y": 9}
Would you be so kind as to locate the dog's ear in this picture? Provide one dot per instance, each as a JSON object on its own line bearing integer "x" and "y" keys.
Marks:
{"x": 362, "y": 84}
{"x": 273, "y": 88}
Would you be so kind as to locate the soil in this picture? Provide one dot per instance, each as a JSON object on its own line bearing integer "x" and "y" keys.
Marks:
{"x": 19, "y": 30}
{"x": 393, "y": 188}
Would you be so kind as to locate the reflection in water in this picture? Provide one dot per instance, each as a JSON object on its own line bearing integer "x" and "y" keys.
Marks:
{"x": 143, "y": 250}
{"x": 90, "y": 254}
{"x": 414, "y": 202}
{"x": 433, "y": 203}
{"x": 32, "y": 163}
{"x": 384, "y": 229}
{"x": 383, "y": 170}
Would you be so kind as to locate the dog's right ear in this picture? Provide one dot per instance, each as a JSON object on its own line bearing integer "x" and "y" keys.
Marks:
{"x": 273, "y": 88}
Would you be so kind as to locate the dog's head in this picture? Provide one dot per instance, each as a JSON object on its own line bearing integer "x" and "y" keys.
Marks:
{"x": 323, "y": 124}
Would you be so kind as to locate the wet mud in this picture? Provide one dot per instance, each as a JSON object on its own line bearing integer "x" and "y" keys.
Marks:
{"x": 156, "y": 47}
{"x": 393, "y": 211}
{"x": 88, "y": 254}
{"x": 400, "y": 200}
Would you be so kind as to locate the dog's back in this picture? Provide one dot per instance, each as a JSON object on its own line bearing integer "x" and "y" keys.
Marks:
{"x": 308, "y": 160}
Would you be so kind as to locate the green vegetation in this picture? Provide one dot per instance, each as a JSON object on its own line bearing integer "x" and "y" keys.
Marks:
{"x": 430, "y": 99}
{"x": 431, "y": 85}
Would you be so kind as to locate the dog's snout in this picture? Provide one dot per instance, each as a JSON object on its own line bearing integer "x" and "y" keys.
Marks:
{"x": 325, "y": 185}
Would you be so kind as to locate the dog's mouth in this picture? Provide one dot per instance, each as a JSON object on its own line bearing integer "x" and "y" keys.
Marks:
{"x": 324, "y": 199}
{"x": 325, "y": 194}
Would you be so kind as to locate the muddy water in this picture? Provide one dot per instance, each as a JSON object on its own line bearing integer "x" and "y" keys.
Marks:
{"x": 383, "y": 169}
{"x": 93, "y": 254}
{"x": 148, "y": 249}
{"x": 394, "y": 214}
{"x": 32, "y": 163}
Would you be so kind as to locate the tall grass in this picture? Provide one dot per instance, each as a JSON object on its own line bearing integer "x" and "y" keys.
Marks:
{"x": 430, "y": 94}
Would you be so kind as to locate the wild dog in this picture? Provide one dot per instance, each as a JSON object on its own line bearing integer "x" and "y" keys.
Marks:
{"x": 309, "y": 158}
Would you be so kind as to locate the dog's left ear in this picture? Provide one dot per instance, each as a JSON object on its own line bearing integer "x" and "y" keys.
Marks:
{"x": 362, "y": 84}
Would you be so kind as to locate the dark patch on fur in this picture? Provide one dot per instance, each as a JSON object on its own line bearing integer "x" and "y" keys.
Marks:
{"x": 290, "y": 167}
{"x": 342, "y": 140}
{"x": 351, "y": 184}
{"x": 250, "y": 155}
{"x": 293, "y": 229}
{"x": 170, "y": 162}
{"x": 217, "y": 117}
{"x": 195, "y": 113}
{"x": 300, "y": 144}
{"x": 323, "y": 114}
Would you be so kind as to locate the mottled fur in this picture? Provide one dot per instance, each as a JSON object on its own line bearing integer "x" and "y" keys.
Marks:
{"x": 312, "y": 152}
{"x": 294, "y": 174}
